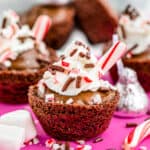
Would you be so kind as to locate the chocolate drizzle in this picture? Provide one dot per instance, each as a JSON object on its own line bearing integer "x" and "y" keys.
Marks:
{"x": 132, "y": 12}
{"x": 67, "y": 83}
{"x": 78, "y": 82}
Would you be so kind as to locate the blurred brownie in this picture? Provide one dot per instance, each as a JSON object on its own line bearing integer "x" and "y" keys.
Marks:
{"x": 62, "y": 22}
{"x": 23, "y": 59}
{"x": 97, "y": 19}
{"x": 134, "y": 30}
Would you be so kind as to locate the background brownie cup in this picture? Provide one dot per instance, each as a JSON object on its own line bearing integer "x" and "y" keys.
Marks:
{"x": 71, "y": 101}
{"x": 134, "y": 30}
{"x": 23, "y": 59}
{"x": 62, "y": 22}
{"x": 97, "y": 19}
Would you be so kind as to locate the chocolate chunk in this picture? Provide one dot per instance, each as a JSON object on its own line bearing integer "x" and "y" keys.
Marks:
{"x": 123, "y": 31}
{"x": 73, "y": 52}
{"x": 57, "y": 68}
{"x": 78, "y": 82}
{"x": 62, "y": 57}
{"x": 89, "y": 65}
{"x": 81, "y": 54}
{"x": 133, "y": 47}
{"x": 131, "y": 125}
{"x": 67, "y": 83}
{"x": 4, "y": 23}
{"x": 132, "y": 12}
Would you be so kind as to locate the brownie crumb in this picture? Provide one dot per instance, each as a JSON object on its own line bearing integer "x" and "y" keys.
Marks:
{"x": 67, "y": 146}
{"x": 110, "y": 149}
{"x": 97, "y": 140}
{"x": 147, "y": 119}
{"x": 148, "y": 112}
{"x": 131, "y": 125}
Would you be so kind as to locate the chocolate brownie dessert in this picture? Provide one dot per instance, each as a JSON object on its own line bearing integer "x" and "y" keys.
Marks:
{"x": 134, "y": 30}
{"x": 23, "y": 59}
{"x": 71, "y": 101}
{"x": 97, "y": 19}
{"x": 62, "y": 22}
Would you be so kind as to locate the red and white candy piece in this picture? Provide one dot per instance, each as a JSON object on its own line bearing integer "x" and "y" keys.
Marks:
{"x": 41, "y": 27}
{"x": 84, "y": 147}
{"x": 112, "y": 55}
{"x": 50, "y": 142}
{"x": 137, "y": 135}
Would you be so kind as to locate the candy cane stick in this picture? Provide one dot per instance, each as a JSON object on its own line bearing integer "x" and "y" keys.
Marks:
{"x": 137, "y": 135}
{"x": 41, "y": 27}
{"x": 120, "y": 66}
{"x": 5, "y": 56}
{"x": 111, "y": 56}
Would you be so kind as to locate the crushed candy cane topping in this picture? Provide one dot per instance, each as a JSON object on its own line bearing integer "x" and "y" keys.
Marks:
{"x": 134, "y": 29}
{"x": 69, "y": 76}
{"x": 15, "y": 39}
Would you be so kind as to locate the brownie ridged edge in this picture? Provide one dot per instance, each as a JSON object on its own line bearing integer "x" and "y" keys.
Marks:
{"x": 72, "y": 122}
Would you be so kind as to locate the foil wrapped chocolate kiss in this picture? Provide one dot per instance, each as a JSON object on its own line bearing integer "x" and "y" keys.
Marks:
{"x": 133, "y": 99}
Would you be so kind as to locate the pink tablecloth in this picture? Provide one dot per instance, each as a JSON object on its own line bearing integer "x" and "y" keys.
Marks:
{"x": 113, "y": 137}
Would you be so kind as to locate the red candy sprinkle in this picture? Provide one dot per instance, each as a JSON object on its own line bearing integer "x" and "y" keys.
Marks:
{"x": 87, "y": 79}
{"x": 65, "y": 64}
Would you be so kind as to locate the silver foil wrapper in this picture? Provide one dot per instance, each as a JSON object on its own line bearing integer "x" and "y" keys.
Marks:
{"x": 133, "y": 99}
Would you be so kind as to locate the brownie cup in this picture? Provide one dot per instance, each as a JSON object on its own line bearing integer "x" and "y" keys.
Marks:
{"x": 74, "y": 121}
{"x": 22, "y": 59}
{"x": 97, "y": 19}
{"x": 62, "y": 22}
{"x": 71, "y": 101}
{"x": 134, "y": 30}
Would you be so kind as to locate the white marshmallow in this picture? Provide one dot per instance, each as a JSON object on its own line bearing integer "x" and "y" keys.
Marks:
{"x": 11, "y": 137}
{"x": 20, "y": 118}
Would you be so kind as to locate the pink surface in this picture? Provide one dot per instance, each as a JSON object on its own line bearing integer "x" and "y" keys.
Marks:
{"x": 113, "y": 137}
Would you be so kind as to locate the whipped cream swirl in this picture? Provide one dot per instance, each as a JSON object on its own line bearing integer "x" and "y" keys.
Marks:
{"x": 75, "y": 72}
{"x": 16, "y": 39}
{"x": 135, "y": 32}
